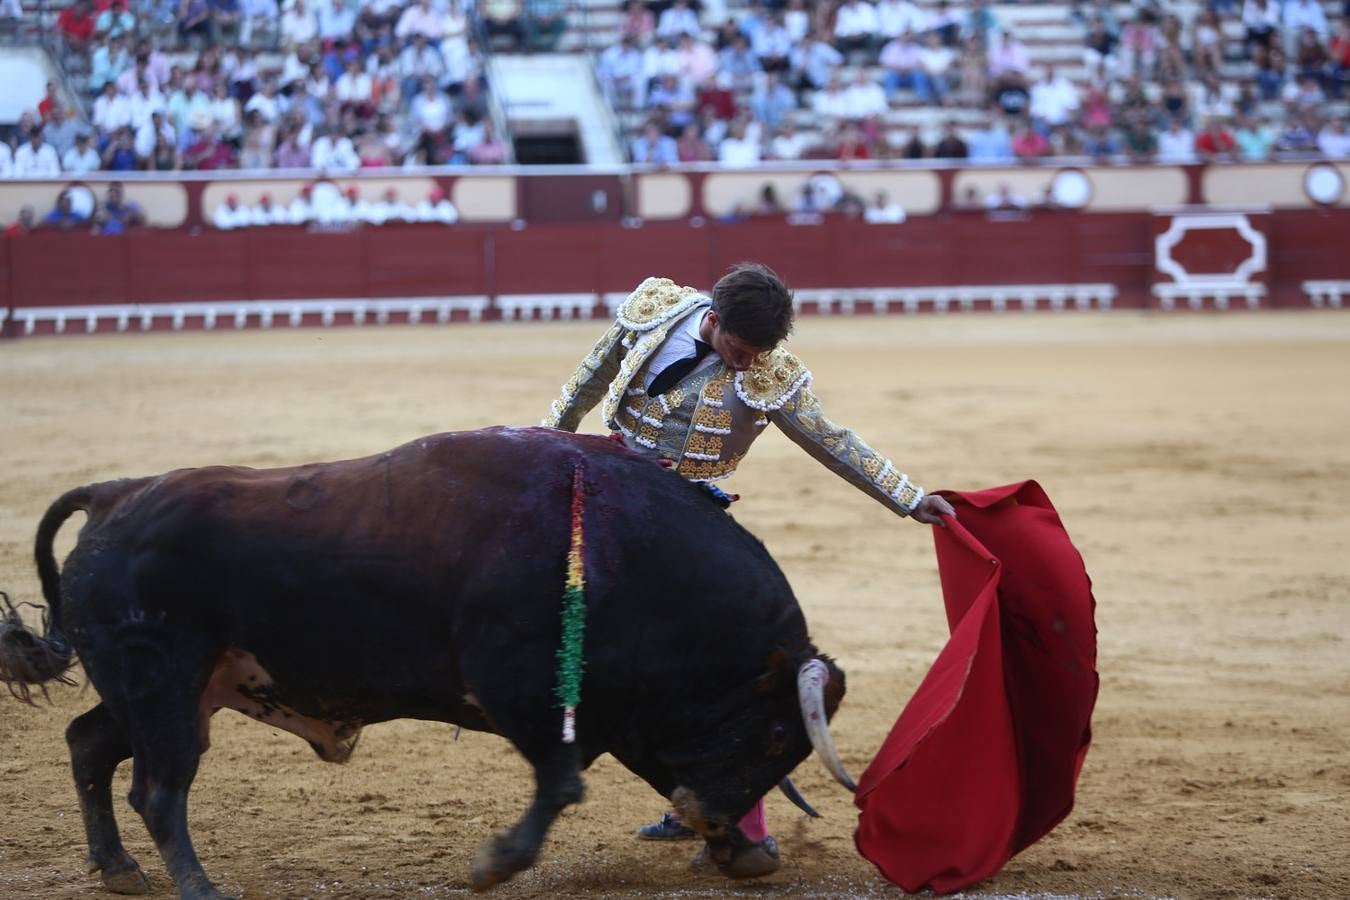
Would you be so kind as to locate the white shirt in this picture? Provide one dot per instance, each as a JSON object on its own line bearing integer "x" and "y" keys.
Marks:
{"x": 298, "y": 212}
{"x": 680, "y": 345}
{"x": 863, "y": 100}
{"x": 1176, "y": 147}
{"x": 112, "y": 113}
{"x": 788, "y": 146}
{"x": 738, "y": 152}
{"x": 855, "y": 19}
{"x": 1335, "y": 146}
{"x": 891, "y": 214}
{"x": 7, "y": 161}
{"x": 41, "y": 163}
{"x": 269, "y": 107}
{"x": 1054, "y": 101}
{"x": 145, "y": 137}
{"x": 675, "y": 22}
{"x": 1309, "y": 14}
{"x": 225, "y": 218}
{"x": 326, "y": 153}
{"x": 895, "y": 17}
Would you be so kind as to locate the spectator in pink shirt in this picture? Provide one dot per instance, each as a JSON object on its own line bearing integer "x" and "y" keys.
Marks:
{"x": 1028, "y": 143}
{"x": 638, "y": 23}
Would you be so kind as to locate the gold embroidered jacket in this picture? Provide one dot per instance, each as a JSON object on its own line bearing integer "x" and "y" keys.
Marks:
{"x": 705, "y": 424}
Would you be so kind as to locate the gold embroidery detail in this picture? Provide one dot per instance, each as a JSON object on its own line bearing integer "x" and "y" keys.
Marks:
{"x": 654, "y": 301}
{"x": 650, "y": 432}
{"x": 890, "y": 482}
{"x": 708, "y": 469}
{"x": 772, "y": 379}
{"x": 713, "y": 418}
{"x": 706, "y": 444}
{"x": 872, "y": 466}
{"x": 674, "y": 398}
{"x": 908, "y": 496}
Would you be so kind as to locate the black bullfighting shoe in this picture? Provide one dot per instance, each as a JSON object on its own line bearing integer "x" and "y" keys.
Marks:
{"x": 668, "y": 828}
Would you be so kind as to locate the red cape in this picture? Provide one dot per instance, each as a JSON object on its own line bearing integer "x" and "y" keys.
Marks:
{"x": 984, "y": 759}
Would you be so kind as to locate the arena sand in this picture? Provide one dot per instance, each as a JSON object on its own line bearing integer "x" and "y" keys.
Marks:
{"x": 1200, "y": 462}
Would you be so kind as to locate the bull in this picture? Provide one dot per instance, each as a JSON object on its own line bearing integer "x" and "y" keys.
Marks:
{"x": 425, "y": 583}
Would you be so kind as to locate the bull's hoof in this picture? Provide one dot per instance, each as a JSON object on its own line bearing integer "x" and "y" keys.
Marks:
{"x": 754, "y": 861}
{"x": 126, "y": 881}
{"x": 496, "y": 861}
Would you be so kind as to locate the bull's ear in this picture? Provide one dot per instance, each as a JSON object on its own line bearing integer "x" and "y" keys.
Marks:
{"x": 778, "y": 671}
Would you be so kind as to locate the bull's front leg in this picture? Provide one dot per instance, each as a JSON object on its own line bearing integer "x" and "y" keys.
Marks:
{"x": 557, "y": 778}
{"x": 734, "y": 854}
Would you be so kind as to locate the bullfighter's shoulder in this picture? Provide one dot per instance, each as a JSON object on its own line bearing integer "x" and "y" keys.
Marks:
{"x": 772, "y": 380}
{"x": 655, "y": 301}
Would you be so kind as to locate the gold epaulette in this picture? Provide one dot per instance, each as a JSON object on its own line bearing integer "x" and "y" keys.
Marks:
{"x": 656, "y": 300}
{"x": 772, "y": 380}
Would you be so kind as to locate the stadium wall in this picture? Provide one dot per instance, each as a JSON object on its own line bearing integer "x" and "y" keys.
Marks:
{"x": 564, "y": 244}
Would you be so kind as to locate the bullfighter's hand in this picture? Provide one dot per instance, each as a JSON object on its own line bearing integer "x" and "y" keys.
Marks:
{"x": 931, "y": 509}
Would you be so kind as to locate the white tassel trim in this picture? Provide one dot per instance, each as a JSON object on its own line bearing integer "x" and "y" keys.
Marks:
{"x": 776, "y": 404}
{"x": 708, "y": 429}
{"x": 708, "y": 456}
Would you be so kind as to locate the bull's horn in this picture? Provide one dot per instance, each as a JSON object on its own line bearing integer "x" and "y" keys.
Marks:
{"x": 790, "y": 791}
{"x": 811, "y": 681}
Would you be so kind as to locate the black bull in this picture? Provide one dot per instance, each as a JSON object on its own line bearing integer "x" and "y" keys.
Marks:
{"x": 427, "y": 583}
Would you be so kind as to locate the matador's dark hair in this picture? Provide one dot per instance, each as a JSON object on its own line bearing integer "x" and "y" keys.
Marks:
{"x": 753, "y": 304}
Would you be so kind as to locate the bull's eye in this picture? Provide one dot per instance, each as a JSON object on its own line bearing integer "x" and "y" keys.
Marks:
{"x": 777, "y": 739}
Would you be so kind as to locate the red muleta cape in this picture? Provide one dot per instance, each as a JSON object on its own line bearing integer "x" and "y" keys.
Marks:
{"x": 983, "y": 760}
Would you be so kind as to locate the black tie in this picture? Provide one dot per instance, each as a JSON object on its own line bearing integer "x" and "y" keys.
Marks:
{"x": 673, "y": 373}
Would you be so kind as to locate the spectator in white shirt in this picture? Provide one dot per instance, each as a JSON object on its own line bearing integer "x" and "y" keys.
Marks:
{"x": 740, "y": 148}
{"x": 7, "y": 161}
{"x": 1009, "y": 58}
{"x": 620, "y": 72}
{"x": 80, "y": 158}
{"x": 298, "y": 25}
{"x": 11, "y": 9}
{"x": 150, "y": 133}
{"x": 788, "y": 143}
{"x": 814, "y": 61}
{"x": 257, "y": 15}
{"x": 417, "y": 61}
{"x": 354, "y": 88}
{"x": 431, "y": 109}
{"x": 36, "y": 159}
{"x": 1054, "y": 99}
{"x": 225, "y": 113}
{"x": 1176, "y": 144}
{"x": 419, "y": 18}
{"x": 864, "y": 97}
{"x": 897, "y": 17}
{"x": 678, "y": 19}
{"x": 855, "y": 27}
{"x": 797, "y": 20}
{"x": 1333, "y": 140}
{"x": 1301, "y": 14}
{"x": 772, "y": 45}
{"x": 333, "y": 153}
{"x": 145, "y": 101}
{"x": 337, "y": 20}
{"x": 936, "y": 62}
{"x": 231, "y": 215}
{"x": 267, "y": 102}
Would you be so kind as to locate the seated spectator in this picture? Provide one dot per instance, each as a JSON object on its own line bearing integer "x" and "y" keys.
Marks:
{"x": 1303, "y": 94}
{"x": 109, "y": 61}
{"x": 914, "y": 148}
{"x": 946, "y": 24}
{"x": 118, "y": 213}
{"x": 1099, "y": 49}
{"x": 258, "y": 17}
{"x": 299, "y": 25}
{"x": 831, "y": 103}
{"x": 898, "y": 17}
{"x": 1333, "y": 141}
{"x": 851, "y": 144}
{"x": 26, "y": 222}
{"x": 224, "y": 21}
{"x": 740, "y": 148}
{"x": 64, "y": 215}
{"x": 950, "y": 145}
{"x": 695, "y": 60}
{"x": 638, "y": 24}
{"x": 490, "y": 149}
{"x": 738, "y": 62}
{"x": 76, "y": 24}
{"x": 883, "y": 212}
{"x": 1207, "y": 43}
{"x": 864, "y": 98}
{"x": 1004, "y": 198}
{"x": 1176, "y": 144}
{"x": 355, "y": 90}
{"x": 268, "y": 213}
{"x": 60, "y": 129}
{"x": 772, "y": 102}
{"x": 676, "y": 98}
{"x": 150, "y": 134}
{"x": 225, "y": 113}
{"x": 1301, "y": 15}
{"x": 787, "y": 143}
{"x": 1028, "y": 143}
{"x": 1008, "y": 60}
{"x": 900, "y": 58}
{"x": 973, "y": 73}
{"x": 677, "y": 19}
{"x": 1215, "y": 142}
{"x": 772, "y": 45}
{"x": 856, "y": 27}
{"x": 936, "y": 62}
{"x": 691, "y": 147}
{"x": 1065, "y": 141}
{"x": 1254, "y": 140}
{"x": 164, "y": 157}
{"x": 259, "y": 143}
{"x": 337, "y": 21}
{"x": 81, "y": 157}
{"x": 1138, "y": 141}
{"x": 194, "y": 22}
{"x": 1054, "y": 99}
{"x": 1175, "y": 100}
{"x": 1312, "y": 60}
{"x": 503, "y": 18}
{"x": 208, "y": 152}
{"x": 797, "y": 21}
{"x": 417, "y": 62}
{"x": 1298, "y": 134}
{"x": 11, "y": 11}
{"x": 1261, "y": 19}
{"x": 545, "y": 21}
{"x": 230, "y": 214}
{"x": 813, "y": 63}
{"x": 36, "y": 158}
{"x": 1137, "y": 52}
{"x": 1270, "y": 68}
{"x": 991, "y": 143}
{"x": 654, "y": 148}
{"x": 419, "y": 18}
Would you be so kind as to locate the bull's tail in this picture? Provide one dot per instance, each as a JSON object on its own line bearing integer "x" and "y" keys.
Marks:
{"x": 28, "y": 657}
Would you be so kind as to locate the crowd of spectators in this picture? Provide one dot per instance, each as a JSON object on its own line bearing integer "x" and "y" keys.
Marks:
{"x": 728, "y": 89}
{"x": 215, "y": 84}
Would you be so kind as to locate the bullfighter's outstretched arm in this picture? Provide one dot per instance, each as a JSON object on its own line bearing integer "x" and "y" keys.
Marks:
{"x": 589, "y": 383}
{"x": 844, "y": 453}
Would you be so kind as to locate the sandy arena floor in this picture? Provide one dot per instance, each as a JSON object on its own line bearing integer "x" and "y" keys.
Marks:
{"x": 1200, "y": 462}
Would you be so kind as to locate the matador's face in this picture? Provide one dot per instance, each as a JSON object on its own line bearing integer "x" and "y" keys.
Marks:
{"x": 734, "y": 351}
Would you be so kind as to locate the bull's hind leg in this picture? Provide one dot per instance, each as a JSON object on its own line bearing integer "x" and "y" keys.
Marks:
{"x": 557, "y": 779}
{"x": 97, "y": 745}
